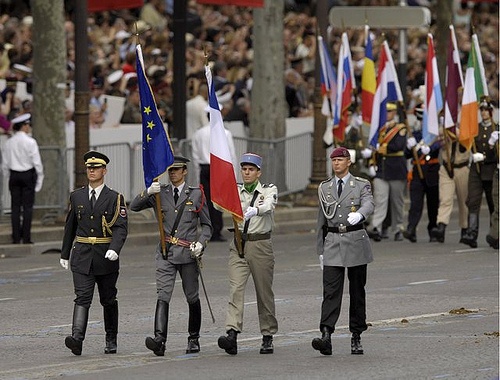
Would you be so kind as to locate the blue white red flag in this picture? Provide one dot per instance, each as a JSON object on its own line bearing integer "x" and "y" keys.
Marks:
{"x": 223, "y": 188}
{"x": 157, "y": 152}
{"x": 388, "y": 90}
{"x": 328, "y": 80}
{"x": 345, "y": 85}
{"x": 433, "y": 95}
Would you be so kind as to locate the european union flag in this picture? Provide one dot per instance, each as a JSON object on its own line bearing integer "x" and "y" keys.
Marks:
{"x": 157, "y": 152}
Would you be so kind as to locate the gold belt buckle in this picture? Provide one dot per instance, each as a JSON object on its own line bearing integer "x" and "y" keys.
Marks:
{"x": 92, "y": 240}
{"x": 174, "y": 240}
{"x": 342, "y": 228}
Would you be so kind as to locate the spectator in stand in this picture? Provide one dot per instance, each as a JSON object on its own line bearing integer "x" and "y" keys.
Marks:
{"x": 132, "y": 111}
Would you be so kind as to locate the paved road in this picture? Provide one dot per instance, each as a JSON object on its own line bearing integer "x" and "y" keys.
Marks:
{"x": 411, "y": 290}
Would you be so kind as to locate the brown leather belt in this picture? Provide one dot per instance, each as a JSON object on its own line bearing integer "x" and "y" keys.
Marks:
{"x": 255, "y": 237}
{"x": 457, "y": 166}
{"x": 176, "y": 241}
{"x": 342, "y": 229}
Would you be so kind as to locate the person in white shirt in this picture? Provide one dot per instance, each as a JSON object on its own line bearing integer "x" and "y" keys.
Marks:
{"x": 22, "y": 167}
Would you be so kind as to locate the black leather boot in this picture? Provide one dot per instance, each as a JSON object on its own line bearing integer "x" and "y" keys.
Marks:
{"x": 80, "y": 318}
{"x": 492, "y": 242}
{"x": 267, "y": 345}
{"x": 356, "y": 347}
{"x": 111, "y": 327}
{"x": 410, "y": 234}
{"x": 229, "y": 342}
{"x": 323, "y": 344}
{"x": 470, "y": 236}
{"x": 438, "y": 232}
{"x": 194, "y": 328}
{"x": 157, "y": 344}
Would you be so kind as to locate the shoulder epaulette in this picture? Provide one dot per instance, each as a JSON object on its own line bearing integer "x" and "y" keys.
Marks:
{"x": 268, "y": 185}
{"x": 361, "y": 179}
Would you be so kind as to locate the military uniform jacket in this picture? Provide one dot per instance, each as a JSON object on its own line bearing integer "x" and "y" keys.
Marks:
{"x": 489, "y": 165}
{"x": 392, "y": 164}
{"x": 196, "y": 209}
{"x": 345, "y": 249}
{"x": 265, "y": 201}
{"x": 428, "y": 163}
{"x": 108, "y": 219}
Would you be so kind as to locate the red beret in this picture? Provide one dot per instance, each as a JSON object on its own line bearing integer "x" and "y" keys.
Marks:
{"x": 340, "y": 152}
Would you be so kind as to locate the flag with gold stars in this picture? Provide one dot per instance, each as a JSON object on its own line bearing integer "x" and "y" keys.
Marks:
{"x": 157, "y": 152}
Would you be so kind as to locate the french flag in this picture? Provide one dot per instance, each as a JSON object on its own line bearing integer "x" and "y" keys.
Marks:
{"x": 328, "y": 80}
{"x": 388, "y": 90}
{"x": 223, "y": 188}
{"x": 345, "y": 85}
{"x": 433, "y": 96}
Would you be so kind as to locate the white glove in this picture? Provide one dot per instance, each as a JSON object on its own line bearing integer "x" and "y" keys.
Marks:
{"x": 411, "y": 142}
{"x": 111, "y": 255}
{"x": 425, "y": 149}
{"x": 38, "y": 185}
{"x": 354, "y": 218}
{"x": 154, "y": 188}
{"x": 372, "y": 172}
{"x": 196, "y": 249}
{"x": 477, "y": 157}
{"x": 321, "y": 262}
{"x": 493, "y": 138}
{"x": 366, "y": 153}
{"x": 250, "y": 212}
{"x": 64, "y": 263}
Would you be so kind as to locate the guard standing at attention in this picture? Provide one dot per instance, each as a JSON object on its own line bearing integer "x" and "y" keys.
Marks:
{"x": 345, "y": 202}
{"x": 183, "y": 208}
{"x": 22, "y": 166}
{"x": 255, "y": 257}
{"x": 95, "y": 232}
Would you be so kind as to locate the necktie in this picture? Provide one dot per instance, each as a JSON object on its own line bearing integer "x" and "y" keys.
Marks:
{"x": 339, "y": 190}
{"x": 92, "y": 199}
{"x": 176, "y": 195}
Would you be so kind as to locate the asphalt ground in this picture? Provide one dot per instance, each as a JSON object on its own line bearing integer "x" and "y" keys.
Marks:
{"x": 433, "y": 311}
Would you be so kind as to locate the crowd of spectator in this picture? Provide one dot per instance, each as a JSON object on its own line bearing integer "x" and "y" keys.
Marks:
{"x": 226, "y": 33}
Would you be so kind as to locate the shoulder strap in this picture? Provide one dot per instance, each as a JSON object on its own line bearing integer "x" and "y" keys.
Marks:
{"x": 176, "y": 222}
{"x": 247, "y": 223}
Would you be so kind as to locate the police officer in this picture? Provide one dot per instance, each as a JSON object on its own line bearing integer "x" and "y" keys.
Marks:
{"x": 482, "y": 170}
{"x": 342, "y": 242}
{"x": 390, "y": 180}
{"x": 22, "y": 166}
{"x": 426, "y": 186}
{"x": 97, "y": 220}
{"x": 182, "y": 208}
{"x": 254, "y": 256}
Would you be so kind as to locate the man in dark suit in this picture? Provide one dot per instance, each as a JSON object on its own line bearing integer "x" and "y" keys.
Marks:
{"x": 94, "y": 234}
{"x": 182, "y": 207}
{"x": 342, "y": 242}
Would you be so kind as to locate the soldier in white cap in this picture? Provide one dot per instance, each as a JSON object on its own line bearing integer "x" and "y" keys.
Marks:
{"x": 23, "y": 168}
{"x": 254, "y": 257}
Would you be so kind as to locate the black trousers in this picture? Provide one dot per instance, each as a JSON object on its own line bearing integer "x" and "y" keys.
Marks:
{"x": 84, "y": 288}
{"x": 22, "y": 192}
{"x": 215, "y": 215}
{"x": 333, "y": 288}
{"x": 418, "y": 190}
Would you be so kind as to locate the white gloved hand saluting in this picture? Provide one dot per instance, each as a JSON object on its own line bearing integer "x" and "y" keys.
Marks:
{"x": 321, "y": 266}
{"x": 111, "y": 255}
{"x": 493, "y": 138}
{"x": 411, "y": 142}
{"x": 425, "y": 149}
{"x": 250, "y": 212}
{"x": 154, "y": 188}
{"x": 477, "y": 157}
{"x": 64, "y": 263}
{"x": 366, "y": 153}
{"x": 354, "y": 218}
{"x": 196, "y": 249}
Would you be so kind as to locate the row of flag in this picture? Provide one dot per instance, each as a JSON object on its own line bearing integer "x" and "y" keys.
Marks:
{"x": 377, "y": 89}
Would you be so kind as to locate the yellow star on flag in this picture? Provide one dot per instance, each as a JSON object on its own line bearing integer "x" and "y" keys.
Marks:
{"x": 148, "y": 138}
{"x": 151, "y": 124}
{"x": 147, "y": 110}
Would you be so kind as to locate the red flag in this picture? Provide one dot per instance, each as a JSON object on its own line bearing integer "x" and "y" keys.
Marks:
{"x": 345, "y": 83}
{"x": 106, "y": 5}
{"x": 454, "y": 81}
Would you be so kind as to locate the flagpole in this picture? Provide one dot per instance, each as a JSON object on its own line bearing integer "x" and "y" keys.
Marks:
{"x": 447, "y": 139}
{"x": 159, "y": 213}
{"x": 237, "y": 237}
